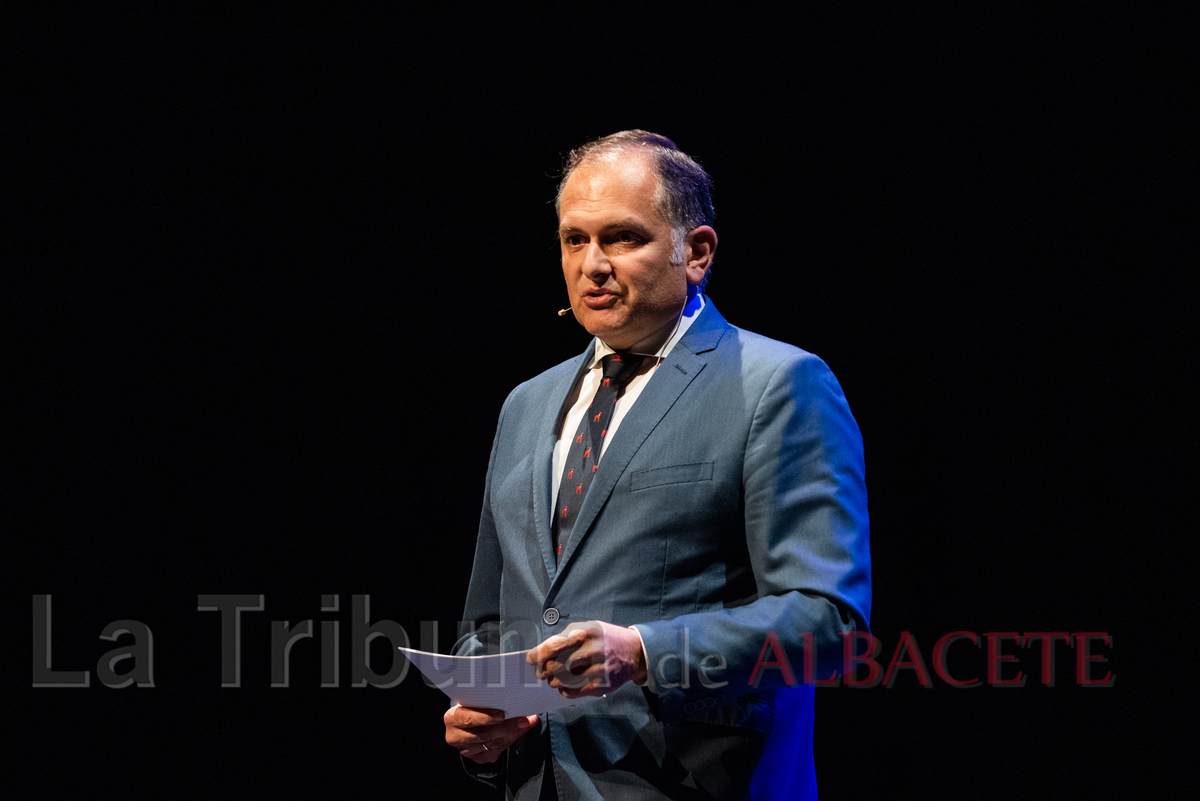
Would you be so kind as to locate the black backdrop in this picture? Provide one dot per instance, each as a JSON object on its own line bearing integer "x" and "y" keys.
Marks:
{"x": 282, "y": 251}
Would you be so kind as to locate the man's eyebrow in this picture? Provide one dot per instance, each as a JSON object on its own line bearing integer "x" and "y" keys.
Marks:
{"x": 619, "y": 224}
{"x": 627, "y": 223}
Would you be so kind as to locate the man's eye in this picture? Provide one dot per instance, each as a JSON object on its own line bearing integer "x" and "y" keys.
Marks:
{"x": 627, "y": 236}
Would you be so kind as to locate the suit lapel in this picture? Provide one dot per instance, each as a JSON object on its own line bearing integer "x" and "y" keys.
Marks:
{"x": 678, "y": 370}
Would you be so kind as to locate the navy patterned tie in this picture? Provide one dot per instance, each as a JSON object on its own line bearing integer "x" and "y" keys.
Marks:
{"x": 584, "y": 456}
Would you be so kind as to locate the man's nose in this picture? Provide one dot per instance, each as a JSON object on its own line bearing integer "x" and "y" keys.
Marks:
{"x": 595, "y": 263}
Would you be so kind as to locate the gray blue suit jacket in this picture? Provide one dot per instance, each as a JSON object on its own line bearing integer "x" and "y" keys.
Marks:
{"x": 731, "y": 504}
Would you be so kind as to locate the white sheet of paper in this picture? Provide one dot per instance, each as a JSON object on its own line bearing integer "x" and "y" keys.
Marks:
{"x": 494, "y": 681}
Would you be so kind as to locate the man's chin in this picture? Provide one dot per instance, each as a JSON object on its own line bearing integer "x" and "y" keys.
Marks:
{"x": 604, "y": 327}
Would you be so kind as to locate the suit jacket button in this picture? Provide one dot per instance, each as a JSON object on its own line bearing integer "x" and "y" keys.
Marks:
{"x": 550, "y": 616}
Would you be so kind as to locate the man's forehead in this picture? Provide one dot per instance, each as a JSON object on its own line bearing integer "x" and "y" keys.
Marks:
{"x": 610, "y": 181}
{"x": 626, "y": 166}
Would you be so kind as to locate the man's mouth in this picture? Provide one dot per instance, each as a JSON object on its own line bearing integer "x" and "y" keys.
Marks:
{"x": 598, "y": 299}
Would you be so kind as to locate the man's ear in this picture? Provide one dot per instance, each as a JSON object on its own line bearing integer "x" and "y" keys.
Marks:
{"x": 700, "y": 246}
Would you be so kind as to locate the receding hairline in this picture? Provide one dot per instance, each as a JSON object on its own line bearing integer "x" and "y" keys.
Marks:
{"x": 613, "y": 152}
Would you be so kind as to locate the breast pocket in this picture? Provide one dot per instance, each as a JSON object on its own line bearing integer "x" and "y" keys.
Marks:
{"x": 675, "y": 474}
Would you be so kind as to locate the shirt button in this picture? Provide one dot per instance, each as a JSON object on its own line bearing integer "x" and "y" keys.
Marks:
{"x": 550, "y": 616}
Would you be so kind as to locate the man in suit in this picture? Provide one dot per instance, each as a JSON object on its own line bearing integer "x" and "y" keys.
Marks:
{"x": 674, "y": 523}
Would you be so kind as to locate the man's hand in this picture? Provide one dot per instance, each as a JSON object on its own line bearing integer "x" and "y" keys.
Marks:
{"x": 590, "y": 659}
{"x": 481, "y": 735}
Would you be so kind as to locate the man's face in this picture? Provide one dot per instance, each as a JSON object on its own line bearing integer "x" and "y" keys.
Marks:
{"x": 625, "y": 283}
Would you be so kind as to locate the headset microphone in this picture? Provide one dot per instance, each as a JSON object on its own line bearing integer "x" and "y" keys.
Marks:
{"x": 561, "y": 312}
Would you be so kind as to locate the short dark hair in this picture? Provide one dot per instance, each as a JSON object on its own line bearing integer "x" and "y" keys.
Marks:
{"x": 684, "y": 197}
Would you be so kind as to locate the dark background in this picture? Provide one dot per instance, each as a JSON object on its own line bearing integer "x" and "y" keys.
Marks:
{"x": 283, "y": 251}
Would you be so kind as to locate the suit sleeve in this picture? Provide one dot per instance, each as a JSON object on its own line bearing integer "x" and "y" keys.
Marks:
{"x": 481, "y": 618}
{"x": 805, "y": 511}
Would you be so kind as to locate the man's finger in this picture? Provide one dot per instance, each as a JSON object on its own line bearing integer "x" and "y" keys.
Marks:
{"x": 467, "y": 716}
{"x": 594, "y": 688}
{"x": 485, "y": 743}
{"x": 555, "y": 645}
{"x": 579, "y": 677}
{"x": 573, "y": 662}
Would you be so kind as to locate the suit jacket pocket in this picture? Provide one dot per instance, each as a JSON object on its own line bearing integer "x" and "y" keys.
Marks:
{"x": 675, "y": 474}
